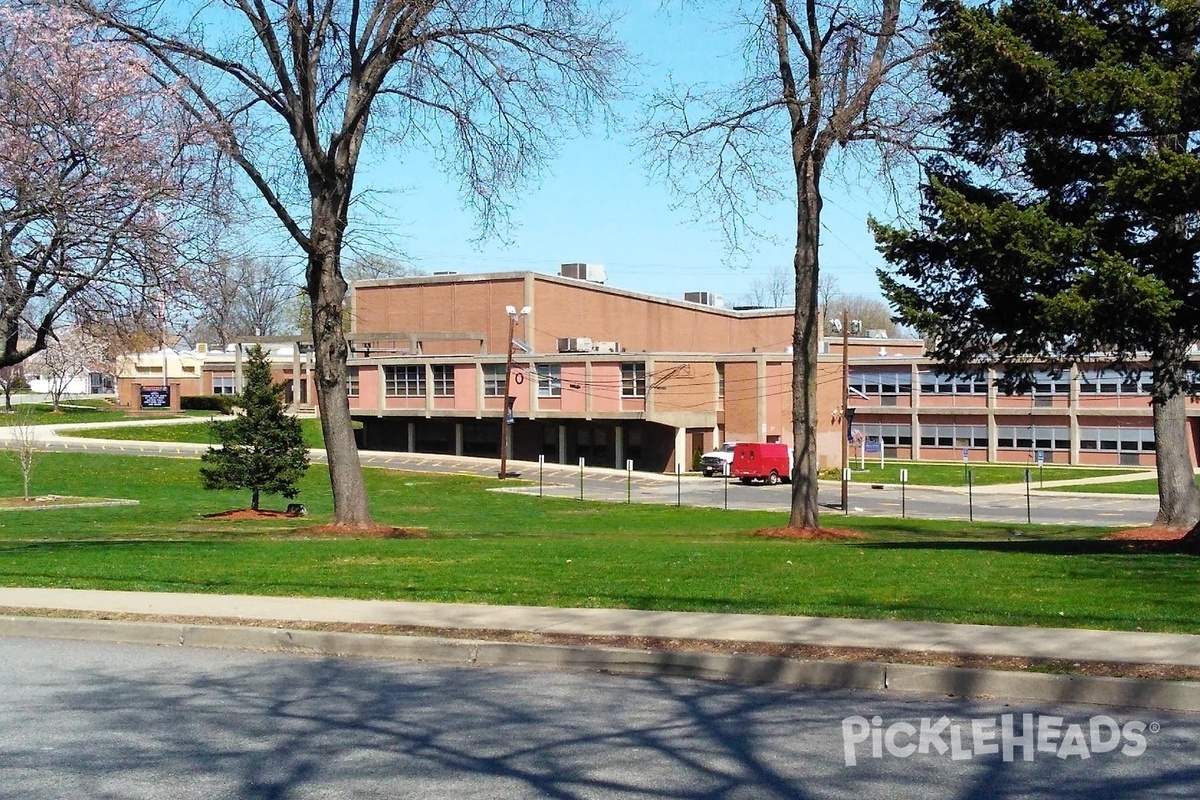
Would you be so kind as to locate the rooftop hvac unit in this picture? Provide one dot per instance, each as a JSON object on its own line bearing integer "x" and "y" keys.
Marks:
{"x": 584, "y": 272}
{"x": 579, "y": 344}
{"x": 704, "y": 299}
{"x": 445, "y": 272}
{"x": 202, "y": 347}
{"x": 606, "y": 347}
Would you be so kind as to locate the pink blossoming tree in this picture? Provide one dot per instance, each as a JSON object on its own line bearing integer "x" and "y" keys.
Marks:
{"x": 94, "y": 161}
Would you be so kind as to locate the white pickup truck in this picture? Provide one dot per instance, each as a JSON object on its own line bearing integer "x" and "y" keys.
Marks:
{"x": 716, "y": 462}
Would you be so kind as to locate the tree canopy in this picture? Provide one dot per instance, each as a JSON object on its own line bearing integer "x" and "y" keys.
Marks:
{"x": 1068, "y": 228}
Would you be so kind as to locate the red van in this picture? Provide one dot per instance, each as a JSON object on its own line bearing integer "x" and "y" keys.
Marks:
{"x": 769, "y": 462}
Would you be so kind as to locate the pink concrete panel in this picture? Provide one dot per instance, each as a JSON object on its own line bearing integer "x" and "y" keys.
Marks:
{"x": 976, "y": 401}
{"x": 605, "y": 388}
{"x": 465, "y": 385}
{"x": 574, "y": 388}
{"x": 405, "y": 402}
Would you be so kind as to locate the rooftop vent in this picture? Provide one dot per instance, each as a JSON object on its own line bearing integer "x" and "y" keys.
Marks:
{"x": 705, "y": 299}
{"x": 584, "y": 272}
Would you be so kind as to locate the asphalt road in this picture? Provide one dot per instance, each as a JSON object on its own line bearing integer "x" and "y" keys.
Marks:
{"x": 93, "y": 720}
{"x": 986, "y": 504}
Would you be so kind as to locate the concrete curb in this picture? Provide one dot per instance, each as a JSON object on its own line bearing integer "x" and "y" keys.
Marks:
{"x": 748, "y": 669}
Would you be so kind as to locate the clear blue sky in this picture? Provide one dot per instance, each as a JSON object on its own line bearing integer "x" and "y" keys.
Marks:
{"x": 596, "y": 204}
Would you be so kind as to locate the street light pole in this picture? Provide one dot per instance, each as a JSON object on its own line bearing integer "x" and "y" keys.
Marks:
{"x": 513, "y": 316}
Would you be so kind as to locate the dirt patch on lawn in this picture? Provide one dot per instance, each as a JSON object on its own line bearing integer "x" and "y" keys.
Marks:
{"x": 808, "y": 534}
{"x": 357, "y": 532}
{"x": 324, "y": 531}
{"x": 250, "y": 513}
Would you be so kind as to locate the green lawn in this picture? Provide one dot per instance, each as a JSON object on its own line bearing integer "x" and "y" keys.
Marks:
{"x": 195, "y": 433}
{"x": 1148, "y": 486}
{"x": 494, "y": 547}
{"x": 926, "y": 473}
{"x": 71, "y": 412}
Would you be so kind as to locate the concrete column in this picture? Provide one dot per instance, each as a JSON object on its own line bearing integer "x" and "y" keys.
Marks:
{"x": 237, "y": 369}
{"x": 381, "y": 380}
{"x": 428, "y": 389}
{"x": 412, "y": 437}
{"x": 991, "y": 415}
{"x": 619, "y": 446}
{"x": 587, "y": 396}
{"x": 1073, "y": 415}
{"x": 458, "y": 438}
{"x": 479, "y": 391}
{"x": 295, "y": 376}
{"x": 680, "y": 449}
{"x": 761, "y": 385}
{"x": 649, "y": 380}
{"x": 530, "y": 332}
{"x": 562, "y": 444}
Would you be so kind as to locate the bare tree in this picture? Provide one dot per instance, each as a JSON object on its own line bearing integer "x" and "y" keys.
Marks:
{"x": 291, "y": 91}
{"x": 70, "y": 357}
{"x": 773, "y": 290}
{"x": 244, "y": 296}
{"x": 373, "y": 267}
{"x": 822, "y": 74}
{"x": 22, "y": 443}
{"x": 12, "y": 379}
{"x": 828, "y": 289}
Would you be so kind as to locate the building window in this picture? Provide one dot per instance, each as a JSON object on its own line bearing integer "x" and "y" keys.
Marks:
{"x": 1109, "y": 381}
{"x": 933, "y": 383}
{"x": 880, "y": 382}
{"x": 443, "y": 380}
{"x": 633, "y": 380}
{"x": 954, "y": 436}
{"x": 549, "y": 378}
{"x": 352, "y": 382}
{"x": 720, "y": 381}
{"x": 1117, "y": 440}
{"x": 1026, "y": 437}
{"x": 890, "y": 435}
{"x": 493, "y": 380}
{"x": 224, "y": 384}
{"x": 406, "y": 381}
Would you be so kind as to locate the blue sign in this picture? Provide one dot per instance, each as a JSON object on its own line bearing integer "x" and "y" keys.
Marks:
{"x": 872, "y": 447}
{"x": 1041, "y": 457}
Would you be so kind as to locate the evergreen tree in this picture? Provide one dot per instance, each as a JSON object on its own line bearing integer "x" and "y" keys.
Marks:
{"x": 262, "y": 449}
{"x": 1070, "y": 226}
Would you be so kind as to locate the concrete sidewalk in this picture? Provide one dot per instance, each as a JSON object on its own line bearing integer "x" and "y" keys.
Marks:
{"x": 213, "y": 621}
{"x": 1066, "y": 644}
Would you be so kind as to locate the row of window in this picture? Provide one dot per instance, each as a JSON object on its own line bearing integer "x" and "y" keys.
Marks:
{"x": 1121, "y": 440}
{"x": 887, "y": 382}
{"x": 408, "y": 380}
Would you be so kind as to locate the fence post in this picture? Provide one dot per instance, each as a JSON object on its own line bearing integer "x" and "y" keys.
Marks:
{"x": 629, "y": 480}
{"x": 1028, "y": 508}
{"x": 581, "y": 477}
{"x": 971, "y": 495}
{"x": 903, "y": 488}
{"x": 541, "y": 468}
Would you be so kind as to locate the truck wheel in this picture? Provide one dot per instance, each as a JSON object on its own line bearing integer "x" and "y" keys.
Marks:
{"x": 773, "y": 478}
{"x": 708, "y": 473}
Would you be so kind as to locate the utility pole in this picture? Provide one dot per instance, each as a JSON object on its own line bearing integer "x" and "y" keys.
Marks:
{"x": 845, "y": 408}
{"x": 513, "y": 316}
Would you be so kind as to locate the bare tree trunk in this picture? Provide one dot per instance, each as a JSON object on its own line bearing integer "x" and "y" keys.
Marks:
{"x": 327, "y": 291}
{"x": 805, "y": 337}
{"x": 254, "y": 500}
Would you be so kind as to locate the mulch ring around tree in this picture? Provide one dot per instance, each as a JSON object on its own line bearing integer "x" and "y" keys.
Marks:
{"x": 324, "y": 531}
{"x": 1149, "y": 534}
{"x": 807, "y": 534}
